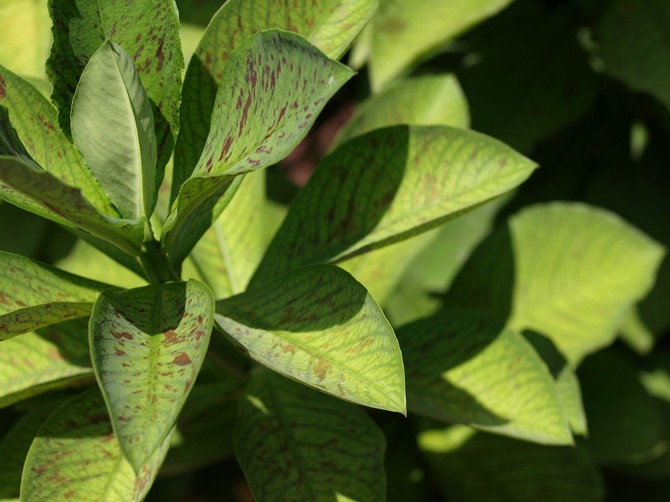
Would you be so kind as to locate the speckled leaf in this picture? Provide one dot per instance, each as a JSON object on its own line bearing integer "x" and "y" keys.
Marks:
{"x": 320, "y": 448}
{"x": 25, "y": 185}
{"x": 113, "y": 128}
{"x": 634, "y": 44}
{"x": 55, "y": 357}
{"x": 464, "y": 367}
{"x": 36, "y": 125}
{"x": 33, "y": 295}
{"x": 330, "y": 25}
{"x": 147, "y": 347}
{"x": 24, "y": 36}
{"x": 272, "y": 89}
{"x": 386, "y": 186}
{"x": 318, "y": 326}
{"x": 76, "y": 456}
{"x": 403, "y": 31}
{"x": 578, "y": 303}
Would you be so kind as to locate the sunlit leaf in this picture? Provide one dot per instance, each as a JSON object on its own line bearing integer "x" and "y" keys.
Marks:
{"x": 321, "y": 448}
{"x": 25, "y": 36}
{"x": 318, "y": 326}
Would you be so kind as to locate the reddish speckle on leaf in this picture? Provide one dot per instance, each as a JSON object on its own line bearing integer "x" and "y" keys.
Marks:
{"x": 160, "y": 55}
{"x": 4, "y": 300}
{"x": 121, "y": 335}
{"x": 182, "y": 359}
{"x": 3, "y": 88}
{"x": 119, "y": 352}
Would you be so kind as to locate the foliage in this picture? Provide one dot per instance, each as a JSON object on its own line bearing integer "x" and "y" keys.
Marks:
{"x": 422, "y": 319}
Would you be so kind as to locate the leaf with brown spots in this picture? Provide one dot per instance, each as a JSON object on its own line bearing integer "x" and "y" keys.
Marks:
{"x": 272, "y": 89}
{"x": 147, "y": 346}
{"x": 389, "y": 185}
{"x": 319, "y": 448}
{"x": 318, "y": 326}
{"x": 33, "y": 295}
{"x": 75, "y": 456}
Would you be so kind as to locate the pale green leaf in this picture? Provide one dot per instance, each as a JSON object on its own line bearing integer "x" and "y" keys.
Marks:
{"x": 147, "y": 347}
{"x": 578, "y": 271}
{"x": 318, "y": 326}
{"x": 25, "y": 36}
{"x": 487, "y": 468}
{"x": 635, "y": 334}
{"x": 55, "y": 357}
{"x": 464, "y": 367}
{"x": 33, "y": 295}
{"x": 320, "y": 448}
{"x": 113, "y": 127}
{"x": 634, "y": 43}
{"x": 386, "y": 186}
{"x": 331, "y": 25}
{"x": 76, "y": 456}
{"x": 272, "y": 89}
{"x": 406, "y": 30}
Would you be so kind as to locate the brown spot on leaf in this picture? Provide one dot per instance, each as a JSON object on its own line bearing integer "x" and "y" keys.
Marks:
{"x": 182, "y": 359}
{"x": 4, "y": 300}
{"x": 3, "y": 88}
{"x": 171, "y": 337}
{"x": 119, "y": 352}
{"x": 321, "y": 368}
{"x": 121, "y": 335}
{"x": 160, "y": 55}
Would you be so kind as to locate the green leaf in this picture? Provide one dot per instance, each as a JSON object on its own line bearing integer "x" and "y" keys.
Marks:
{"x": 33, "y": 295}
{"x": 488, "y": 468}
{"x": 36, "y": 124}
{"x": 148, "y": 30}
{"x": 113, "y": 127}
{"x": 386, "y": 186}
{"x": 147, "y": 347}
{"x": 25, "y": 185}
{"x": 330, "y": 25}
{"x": 25, "y": 36}
{"x": 578, "y": 272}
{"x": 321, "y": 448}
{"x": 464, "y": 367}
{"x": 405, "y": 30}
{"x": 272, "y": 89}
{"x": 51, "y": 358}
{"x": 634, "y": 42}
{"x": 76, "y": 456}
{"x": 318, "y": 326}
{"x": 424, "y": 100}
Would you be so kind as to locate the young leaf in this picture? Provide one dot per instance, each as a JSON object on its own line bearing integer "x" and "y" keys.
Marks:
{"x": 76, "y": 456}
{"x": 113, "y": 127}
{"x": 463, "y": 367}
{"x": 33, "y": 295}
{"x": 318, "y": 326}
{"x": 320, "y": 448}
{"x": 56, "y": 357}
{"x": 272, "y": 89}
{"x": 386, "y": 186}
{"x": 147, "y": 347}
{"x": 330, "y": 25}
{"x": 148, "y": 30}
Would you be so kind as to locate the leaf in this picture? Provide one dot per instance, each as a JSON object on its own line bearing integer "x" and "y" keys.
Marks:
{"x": 25, "y": 36}
{"x": 633, "y": 42}
{"x": 484, "y": 467}
{"x": 405, "y": 30}
{"x": 147, "y": 347}
{"x": 272, "y": 89}
{"x": 318, "y": 326}
{"x": 113, "y": 127}
{"x": 330, "y": 25}
{"x": 56, "y": 357}
{"x": 36, "y": 124}
{"x": 578, "y": 271}
{"x": 320, "y": 448}
{"x": 464, "y": 367}
{"x": 33, "y": 295}
{"x": 75, "y": 455}
{"x": 25, "y": 185}
{"x": 386, "y": 186}
{"x": 148, "y": 30}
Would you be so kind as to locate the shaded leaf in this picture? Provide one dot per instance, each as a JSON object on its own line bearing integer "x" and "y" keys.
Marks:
{"x": 318, "y": 326}
{"x": 464, "y": 367}
{"x": 272, "y": 89}
{"x": 386, "y": 186}
{"x": 320, "y": 448}
{"x": 75, "y": 455}
{"x": 147, "y": 347}
{"x": 33, "y": 295}
{"x": 113, "y": 128}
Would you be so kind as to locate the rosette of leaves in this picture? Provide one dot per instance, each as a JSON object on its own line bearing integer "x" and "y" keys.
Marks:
{"x": 93, "y": 159}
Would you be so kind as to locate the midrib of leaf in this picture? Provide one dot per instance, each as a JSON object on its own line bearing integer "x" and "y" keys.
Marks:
{"x": 227, "y": 260}
{"x": 155, "y": 340}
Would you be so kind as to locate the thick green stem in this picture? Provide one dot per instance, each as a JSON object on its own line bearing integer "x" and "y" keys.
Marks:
{"x": 155, "y": 264}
